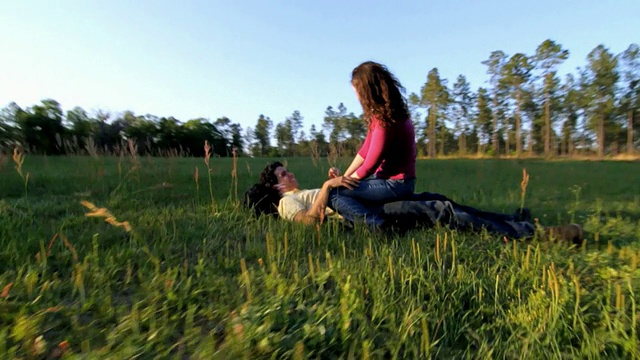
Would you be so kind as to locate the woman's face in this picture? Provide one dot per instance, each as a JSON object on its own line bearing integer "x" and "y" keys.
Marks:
{"x": 356, "y": 91}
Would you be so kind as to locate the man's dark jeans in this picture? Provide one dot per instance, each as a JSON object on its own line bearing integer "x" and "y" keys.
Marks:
{"x": 428, "y": 209}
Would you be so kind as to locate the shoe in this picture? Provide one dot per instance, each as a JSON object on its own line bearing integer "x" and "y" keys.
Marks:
{"x": 571, "y": 233}
{"x": 521, "y": 229}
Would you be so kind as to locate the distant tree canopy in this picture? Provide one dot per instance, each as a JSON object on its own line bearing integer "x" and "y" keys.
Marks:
{"x": 527, "y": 108}
{"x": 44, "y": 129}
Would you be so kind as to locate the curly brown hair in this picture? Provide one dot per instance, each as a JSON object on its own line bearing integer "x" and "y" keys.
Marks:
{"x": 380, "y": 94}
{"x": 262, "y": 198}
{"x": 268, "y": 175}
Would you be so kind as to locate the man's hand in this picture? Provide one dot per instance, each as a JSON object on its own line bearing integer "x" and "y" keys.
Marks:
{"x": 316, "y": 213}
{"x": 334, "y": 172}
{"x": 281, "y": 188}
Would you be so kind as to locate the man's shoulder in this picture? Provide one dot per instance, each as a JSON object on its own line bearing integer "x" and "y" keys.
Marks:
{"x": 295, "y": 201}
{"x": 300, "y": 193}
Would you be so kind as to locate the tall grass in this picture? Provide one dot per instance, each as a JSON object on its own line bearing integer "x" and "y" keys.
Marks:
{"x": 181, "y": 281}
{"x": 18, "y": 159}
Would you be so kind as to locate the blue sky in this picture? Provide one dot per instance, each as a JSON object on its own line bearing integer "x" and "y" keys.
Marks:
{"x": 240, "y": 59}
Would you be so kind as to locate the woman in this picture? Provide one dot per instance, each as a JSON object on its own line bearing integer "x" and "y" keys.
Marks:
{"x": 386, "y": 162}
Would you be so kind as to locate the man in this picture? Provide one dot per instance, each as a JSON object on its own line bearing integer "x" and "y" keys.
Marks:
{"x": 279, "y": 193}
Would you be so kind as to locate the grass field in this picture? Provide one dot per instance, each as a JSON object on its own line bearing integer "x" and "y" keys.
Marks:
{"x": 167, "y": 266}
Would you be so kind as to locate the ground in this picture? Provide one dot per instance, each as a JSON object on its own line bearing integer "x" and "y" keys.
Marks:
{"x": 124, "y": 256}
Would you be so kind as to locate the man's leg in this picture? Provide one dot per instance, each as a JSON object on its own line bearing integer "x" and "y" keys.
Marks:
{"x": 509, "y": 228}
{"x": 411, "y": 214}
{"x": 520, "y": 215}
{"x": 407, "y": 214}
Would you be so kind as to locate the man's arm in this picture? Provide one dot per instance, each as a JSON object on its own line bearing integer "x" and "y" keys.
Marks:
{"x": 316, "y": 211}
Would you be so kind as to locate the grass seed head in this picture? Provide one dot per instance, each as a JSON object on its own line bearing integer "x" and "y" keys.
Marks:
{"x": 207, "y": 152}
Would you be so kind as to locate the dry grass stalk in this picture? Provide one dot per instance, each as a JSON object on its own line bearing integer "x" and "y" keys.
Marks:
{"x": 207, "y": 152}
{"x": 132, "y": 146}
{"x": 104, "y": 213}
{"x": 91, "y": 147}
{"x": 5, "y": 291}
{"x": 315, "y": 153}
{"x": 71, "y": 248}
{"x": 234, "y": 171}
{"x": 4, "y": 159}
{"x": 50, "y": 246}
{"x": 18, "y": 159}
{"x": 523, "y": 187}
{"x": 196, "y": 177}
{"x": 207, "y": 156}
{"x": 334, "y": 154}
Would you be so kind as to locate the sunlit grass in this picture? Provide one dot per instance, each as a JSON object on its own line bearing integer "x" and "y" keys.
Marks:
{"x": 203, "y": 279}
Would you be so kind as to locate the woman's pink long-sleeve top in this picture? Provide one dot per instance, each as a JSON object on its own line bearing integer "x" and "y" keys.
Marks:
{"x": 389, "y": 153}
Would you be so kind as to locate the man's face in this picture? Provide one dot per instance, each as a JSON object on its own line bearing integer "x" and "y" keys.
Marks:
{"x": 286, "y": 179}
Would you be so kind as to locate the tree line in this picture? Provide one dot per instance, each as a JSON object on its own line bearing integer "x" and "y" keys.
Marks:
{"x": 527, "y": 108}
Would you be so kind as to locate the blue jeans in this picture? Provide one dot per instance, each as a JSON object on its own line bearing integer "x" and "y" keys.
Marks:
{"x": 363, "y": 204}
{"x": 432, "y": 210}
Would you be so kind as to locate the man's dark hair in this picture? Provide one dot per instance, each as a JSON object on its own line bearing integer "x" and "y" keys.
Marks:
{"x": 262, "y": 197}
{"x": 262, "y": 200}
{"x": 268, "y": 176}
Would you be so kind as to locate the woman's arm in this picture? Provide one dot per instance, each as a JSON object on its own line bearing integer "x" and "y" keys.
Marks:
{"x": 359, "y": 158}
{"x": 355, "y": 164}
{"x": 373, "y": 158}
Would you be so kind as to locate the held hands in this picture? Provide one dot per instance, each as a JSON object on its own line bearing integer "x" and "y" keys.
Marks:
{"x": 348, "y": 182}
{"x": 335, "y": 180}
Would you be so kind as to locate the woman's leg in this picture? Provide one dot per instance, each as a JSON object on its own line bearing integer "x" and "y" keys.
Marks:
{"x": 377, "y": 191}
{"x": 359, "y": 204}
{"x": 355, "y": 212}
